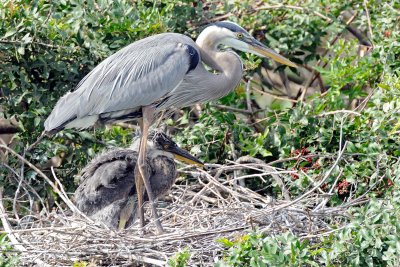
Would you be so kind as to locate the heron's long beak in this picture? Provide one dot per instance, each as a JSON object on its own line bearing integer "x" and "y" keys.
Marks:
{"x": 261, "y": 50}
{"x": 184, "y": 156}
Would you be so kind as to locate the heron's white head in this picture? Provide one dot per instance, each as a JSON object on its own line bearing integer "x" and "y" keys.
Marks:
{"x": 232, "y": 35}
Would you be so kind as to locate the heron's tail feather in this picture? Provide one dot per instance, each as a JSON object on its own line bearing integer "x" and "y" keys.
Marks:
{"x": 66, "y": 114}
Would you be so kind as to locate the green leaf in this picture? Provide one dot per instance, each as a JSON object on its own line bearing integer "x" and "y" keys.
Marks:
{"x": 226, "y": 242}
{"x": 9, "y": 33}
{"x": 21, "y": 50}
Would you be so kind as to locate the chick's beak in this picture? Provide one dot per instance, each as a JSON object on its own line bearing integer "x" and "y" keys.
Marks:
{"x": 261, "y": 50}
{"x": 184, "y": 156}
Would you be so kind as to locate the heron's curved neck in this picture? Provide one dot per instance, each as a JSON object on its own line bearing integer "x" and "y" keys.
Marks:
{"x": 227, "y": 63}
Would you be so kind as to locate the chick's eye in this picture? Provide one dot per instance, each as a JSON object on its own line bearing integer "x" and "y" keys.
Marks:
{"x": 166, "y": 146}
{"x": 239, "y": 35}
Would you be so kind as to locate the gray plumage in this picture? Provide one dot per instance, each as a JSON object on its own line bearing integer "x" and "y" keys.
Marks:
{"x": 155, "y": 74}
{"x": 164, "y": 71}
{"x": 107, "y": 188}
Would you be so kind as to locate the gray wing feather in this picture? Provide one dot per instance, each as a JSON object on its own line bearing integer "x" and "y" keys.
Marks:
{"x": 137, "y": 75}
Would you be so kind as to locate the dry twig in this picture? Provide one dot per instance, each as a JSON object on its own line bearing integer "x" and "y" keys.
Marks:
{"x": 193, "y": 214}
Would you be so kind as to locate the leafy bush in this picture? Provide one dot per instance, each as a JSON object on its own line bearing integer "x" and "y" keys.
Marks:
{"x": 180, "y": 259}
{"x": 47, "y": 48}
{"x": 370, "y": 239}
{"x": 8, "y": 258}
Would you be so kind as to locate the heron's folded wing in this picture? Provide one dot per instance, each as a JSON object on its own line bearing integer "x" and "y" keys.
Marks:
{"x": 137, "y": 75}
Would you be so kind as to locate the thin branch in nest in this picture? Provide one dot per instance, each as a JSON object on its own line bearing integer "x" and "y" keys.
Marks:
{"x": 193, "y": 215}
{"x": 12, "y": 235}
{"x": 47, "y": 179}
{"x": 278, "y": 180}
{"x": 326, "y": 176}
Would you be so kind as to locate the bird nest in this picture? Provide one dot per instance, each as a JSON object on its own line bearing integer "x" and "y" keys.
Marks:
{"x": 194, "y": 216}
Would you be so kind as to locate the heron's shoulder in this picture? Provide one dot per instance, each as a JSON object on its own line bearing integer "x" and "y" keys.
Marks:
{"x": 163, "y": 40}
{"x": 172, "y": 37}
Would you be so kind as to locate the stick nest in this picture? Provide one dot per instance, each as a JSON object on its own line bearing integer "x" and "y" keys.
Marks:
{"x": 195, "y": 214}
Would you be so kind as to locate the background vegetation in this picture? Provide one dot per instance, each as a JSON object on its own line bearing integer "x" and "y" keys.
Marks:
{"x": 46, "y": 48}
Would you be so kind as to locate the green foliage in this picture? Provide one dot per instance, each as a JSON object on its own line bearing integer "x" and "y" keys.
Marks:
{"x": 368, "y": 134}
{"x": 372, "y": 238}
{"x": 47, "y": 48}
{"x": 79, "y": 264}
{"x": 180, "y": 259}
{"x": 259, "y": 250}
{"x": 8, "y": 258}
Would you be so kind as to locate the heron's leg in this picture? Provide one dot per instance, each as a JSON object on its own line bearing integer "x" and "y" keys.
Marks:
{"x": 148, "y": 113}
{"x": 140, "y": 193}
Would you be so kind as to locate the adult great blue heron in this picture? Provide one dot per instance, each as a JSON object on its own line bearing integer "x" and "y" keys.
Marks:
{"x": 107, "y": 193}
{"x": 157, "y": 73}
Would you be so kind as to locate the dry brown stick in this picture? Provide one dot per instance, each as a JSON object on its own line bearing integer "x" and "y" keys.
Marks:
{"x": 138, "y": 258}
{"x": 161, "y": 238}
{"x": 34, "y": 144}
{"x": 228, "y": 190}
{"x": 27, "y": 185}
{"x": 274, "y": 96}
{"x": 215, "y": 192}
{"x": 338, "y": 112}
{"x": 312, "y": 181}
{"x": 326, "y": 176}
{"x": 324, "y": 201}
{"x": 231, "y": 109}
{"x": 236, "y": 173}
{"x": 368, "y": 21}
{"x": 201, "y": 192}
{"x": 148, "y": 260}
{"x": 17, "y": 192}
{"x": 278, "y": 180}
{"x": 8, "y": 230}
{"x": 66, "y": 200}
{"x": 263, "y": 199}
{"x": 365, "y": 101}
{"x": 324, "y": 233}
{"x": 44, "y": 229}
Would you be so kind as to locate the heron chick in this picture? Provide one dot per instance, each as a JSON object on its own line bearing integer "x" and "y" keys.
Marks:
{"x": 107, "y": 193}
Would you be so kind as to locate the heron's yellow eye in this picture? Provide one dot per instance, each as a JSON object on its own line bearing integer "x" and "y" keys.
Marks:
{"x": 239, "y": 35}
